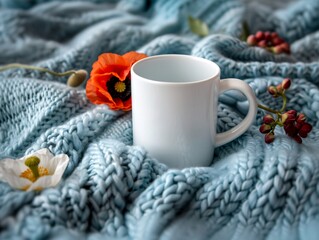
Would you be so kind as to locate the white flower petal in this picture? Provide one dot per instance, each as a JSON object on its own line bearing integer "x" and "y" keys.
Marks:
{"x": 55, "y": 163}
{"x": 44, "y": 154}
{"x": 11, "y": 169}
{"x": 15, "y": 181}
{"x": 18, "y": 167}
{"x": 63, "y": 161}
{"x": 56, "y": 167}
{"x": 3, "y": 164}
{"x": 14, "y": 167}
{"x": 45, "y": 182}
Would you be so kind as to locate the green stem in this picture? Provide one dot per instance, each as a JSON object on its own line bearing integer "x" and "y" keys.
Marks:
{"x": 284, "y": 102}
{"x": 268, "y": 109}
{"x": 18, "y": 65}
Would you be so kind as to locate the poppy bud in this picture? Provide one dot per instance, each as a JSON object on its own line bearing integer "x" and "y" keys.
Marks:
{"x": 77, "y": 78}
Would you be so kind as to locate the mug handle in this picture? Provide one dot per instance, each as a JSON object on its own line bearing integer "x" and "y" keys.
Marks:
{"x": 231, "y": 134}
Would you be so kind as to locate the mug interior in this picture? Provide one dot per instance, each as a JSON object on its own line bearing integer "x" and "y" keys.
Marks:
{"x": 174, "y": 68}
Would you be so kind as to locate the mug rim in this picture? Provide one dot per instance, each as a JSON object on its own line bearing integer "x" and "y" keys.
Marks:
{"x": 210, "y": 78}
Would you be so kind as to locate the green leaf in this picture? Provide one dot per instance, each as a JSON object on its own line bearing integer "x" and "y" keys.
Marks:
{"x": 198, "y": 27}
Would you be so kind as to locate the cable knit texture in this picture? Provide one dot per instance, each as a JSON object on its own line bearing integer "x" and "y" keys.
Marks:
{"x": 114, "y": 190}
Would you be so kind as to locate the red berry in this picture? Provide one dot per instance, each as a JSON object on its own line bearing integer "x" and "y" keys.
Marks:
{"x": 273, "y": 91}
{"x": 269, "y": 44}
{"x": 301, "y": 118}
{"x": 276, "y": 41}
{"x": 267, "y": 36}
{"x": 279, "y": 88}
{"x": 262, "y": 44}
{"x": 259, "y": 35}
{"x": 251, "y": 40}
{"x": 269, "y": 40}
{"x": 303, "y": 135}
{"x": 285, "y": 84}
{"x": 292, "y": 112}
{"x": 277, "y": 49}
{"x": 269, "y": 137}
{"x": 305, "y": 129}
{"x": 285, "y": 47}
{"x": 284, "y": 117}
{"x": 265, "y": 128}
{"x": 290, "y": 130}
{"x": 298, "y": 125}
{"x": 297, "y": 139}
{"x": 268, "y": 119}
{"x": 289, "y": 117}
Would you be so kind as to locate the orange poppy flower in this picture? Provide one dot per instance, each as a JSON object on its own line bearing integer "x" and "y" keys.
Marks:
{"x": 110, "y": 80}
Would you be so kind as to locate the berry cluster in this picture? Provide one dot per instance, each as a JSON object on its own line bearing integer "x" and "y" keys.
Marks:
{"x": 294, "y": 124}
{"x": 270, "y": 41}
{"x": 279, "y": 90}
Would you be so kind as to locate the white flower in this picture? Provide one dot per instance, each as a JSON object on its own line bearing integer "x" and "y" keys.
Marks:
{"x": 35, "y": 171}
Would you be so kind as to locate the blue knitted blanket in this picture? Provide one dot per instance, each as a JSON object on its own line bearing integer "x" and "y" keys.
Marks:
{"x": 114, "y": 190}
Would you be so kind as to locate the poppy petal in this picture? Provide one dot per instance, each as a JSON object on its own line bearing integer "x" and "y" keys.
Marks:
{"x": 97, "y": 95}
{"x": 103, "y": 70}
{"x": 100, "y": 80}
{"x": 127, "y": 105}
{"x": 132, "y": 57}
{"x": 111, "y": 63}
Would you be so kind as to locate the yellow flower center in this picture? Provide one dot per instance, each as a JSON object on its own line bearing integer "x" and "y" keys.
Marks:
{"x": 25, "y": 188}
{"x": 120, "y": 87}
{"x": 28, "y": 174}
{"x": 34, "y": 171}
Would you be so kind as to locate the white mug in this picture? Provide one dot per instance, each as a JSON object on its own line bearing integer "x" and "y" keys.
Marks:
{"x": 174, "y": 107}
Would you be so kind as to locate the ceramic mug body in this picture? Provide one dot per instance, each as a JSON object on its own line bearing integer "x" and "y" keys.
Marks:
{"x": 174, "y": 107}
